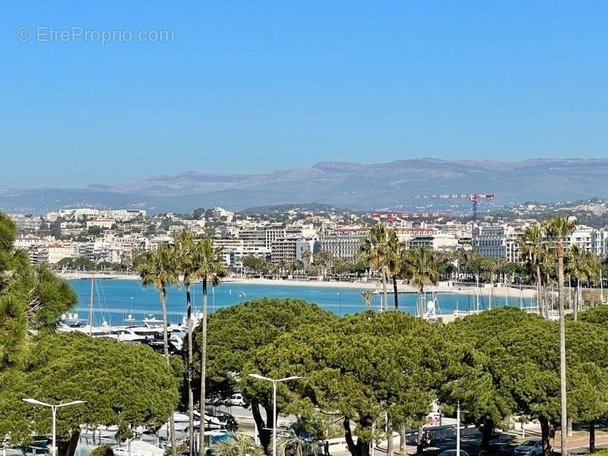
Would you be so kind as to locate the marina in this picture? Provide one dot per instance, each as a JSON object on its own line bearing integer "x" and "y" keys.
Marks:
{"x": 117, "y": 301}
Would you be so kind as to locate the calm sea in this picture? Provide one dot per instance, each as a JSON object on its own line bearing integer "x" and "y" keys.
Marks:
{"x": 114, "y": 300}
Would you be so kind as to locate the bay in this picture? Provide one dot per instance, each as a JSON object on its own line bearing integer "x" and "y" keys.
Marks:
{"x": 114, "y": 300}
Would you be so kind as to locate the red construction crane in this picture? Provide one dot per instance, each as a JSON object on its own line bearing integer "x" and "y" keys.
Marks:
{"x": 473, "y": 197}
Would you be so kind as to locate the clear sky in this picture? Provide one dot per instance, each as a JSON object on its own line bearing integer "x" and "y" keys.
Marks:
{"x": 255, "y": 86}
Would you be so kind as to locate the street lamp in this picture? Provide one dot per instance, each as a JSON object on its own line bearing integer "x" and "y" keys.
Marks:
{"x": 274, "y": 404}
{"x": 340, "y": 296}
{"x": 54, "y": 415}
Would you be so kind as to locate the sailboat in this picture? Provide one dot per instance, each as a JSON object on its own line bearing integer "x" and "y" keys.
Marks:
{"x": 104, "y": 330}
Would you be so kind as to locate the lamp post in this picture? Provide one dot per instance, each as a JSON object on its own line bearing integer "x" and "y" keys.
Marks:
{"x": 54, "y": 415}
{"x": 274, "y": 405}
{"x": 340, "y": 296}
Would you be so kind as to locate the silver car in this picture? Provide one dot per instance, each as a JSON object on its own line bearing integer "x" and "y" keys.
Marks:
{"x": 453, "y": 452}
{"x": 532, "y": 447}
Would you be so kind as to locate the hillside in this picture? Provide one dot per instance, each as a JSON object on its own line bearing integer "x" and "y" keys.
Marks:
{"x": 404, "y": 185}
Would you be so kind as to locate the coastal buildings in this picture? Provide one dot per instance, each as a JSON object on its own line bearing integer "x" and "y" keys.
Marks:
{"x": 294, "y": 238}
{"x": 500, "y": 242}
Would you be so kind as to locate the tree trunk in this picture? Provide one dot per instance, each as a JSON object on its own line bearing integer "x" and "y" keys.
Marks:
{"x": 201, "y": 437}
{"x": 356, "y": 449}
{"x": 163, "y": 301}
{"x": 576, "y": 302}
{"x": 384, "y": 290}
{"x": 542, "y": 308}
{"x": 263, "y": 428}
{"x": 562, "y": 351}
{"x": 189, "y": 372}
{"x": 592, "y": 436}
{"x": 396, "y": 295}
{"x": 402, "y": 441}
{"x": 544, "y": 433}
{"x": 487, "y": 428}
{"x": 389, "y": 438}
{"x": 69, "y": 448}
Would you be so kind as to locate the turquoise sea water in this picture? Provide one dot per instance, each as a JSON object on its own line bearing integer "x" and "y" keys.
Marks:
{"x": 114, "y": 299}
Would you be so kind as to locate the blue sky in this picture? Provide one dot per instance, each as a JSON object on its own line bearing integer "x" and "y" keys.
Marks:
{"x": 257, "y": 86}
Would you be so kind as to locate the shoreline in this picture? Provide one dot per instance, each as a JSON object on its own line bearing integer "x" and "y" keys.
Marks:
{"x": 375, "y": 286}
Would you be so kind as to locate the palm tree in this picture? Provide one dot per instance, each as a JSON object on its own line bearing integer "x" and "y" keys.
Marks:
{"x": 532, "y": 249}
{"x": 294, "y": 445}
{"x": 422, "y": 268}
{"x": 184, "y": 245}
{"x": 159, "y": 269}
{"x": 376, "y": 252}
{"x": 582, "y": 265}
{"x": 557, "y": 228}
{"x": 367, "y": 296}
{"x": 238, "y": 445}
{"x": 396, "y": 250}
{"x": 575, "y": 265}
{"x": 209, "y": 268}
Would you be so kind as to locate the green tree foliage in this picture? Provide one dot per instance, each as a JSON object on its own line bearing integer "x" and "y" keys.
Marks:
{"x": 363, "y": 367}
{"x": 505, "y": 361}
{"x": 236, "y": 333}
{"x": 597, "y": 316}
{"x": 29, "y": 297}
{"x": 198, "y": 213}
{"x": 124, "y": 385}
{"x": 471, "y": 369}
{"x": 102, "y": 450}
{"x": 255, "y": 265}
{"x": 238, "y": 445}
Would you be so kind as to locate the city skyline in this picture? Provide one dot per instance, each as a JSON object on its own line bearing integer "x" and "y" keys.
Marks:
{"x": 115, "y": 93}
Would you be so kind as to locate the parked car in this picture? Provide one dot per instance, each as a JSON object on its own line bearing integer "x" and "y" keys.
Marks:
{"x": 533, "y": 447}
{"x": 237, "y": 399}
{"x": 498, "y": 449}
{"x": 452, "y": 452}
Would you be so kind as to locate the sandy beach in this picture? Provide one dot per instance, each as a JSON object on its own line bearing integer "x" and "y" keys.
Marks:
{"x": 373, "y": 285}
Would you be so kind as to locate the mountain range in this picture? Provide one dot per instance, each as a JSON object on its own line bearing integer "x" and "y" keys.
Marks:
{"x": 404, "y": 185}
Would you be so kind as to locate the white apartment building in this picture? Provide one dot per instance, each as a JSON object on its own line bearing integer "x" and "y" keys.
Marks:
{"x": 26, "y": 222}
{"x": 124, "y": 215}
{"x": 599, "y": 242}
{"x": 283, "y": 250}
{"x": 345, "y": 245}
{"x": 582, "y": 237}
{"x": 305, "y": 250}
{"x": 105, "y": 223}
{"x": 26, "y": 242}
{"x": 56, "y": 252}
{"x": 439, "y": 242}
{"x": 497, "y": 241}
{"x": 236, "y": 249}
{"x": 75, "y": 213}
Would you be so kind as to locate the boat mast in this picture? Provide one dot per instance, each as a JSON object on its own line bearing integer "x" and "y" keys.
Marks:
{"x": 601, "y": 287}
{"x": 477, "y": 293}
{"x": 91, "y": 303}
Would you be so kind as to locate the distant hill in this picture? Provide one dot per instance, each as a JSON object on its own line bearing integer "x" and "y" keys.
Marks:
{"x": 404, "y": 185}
